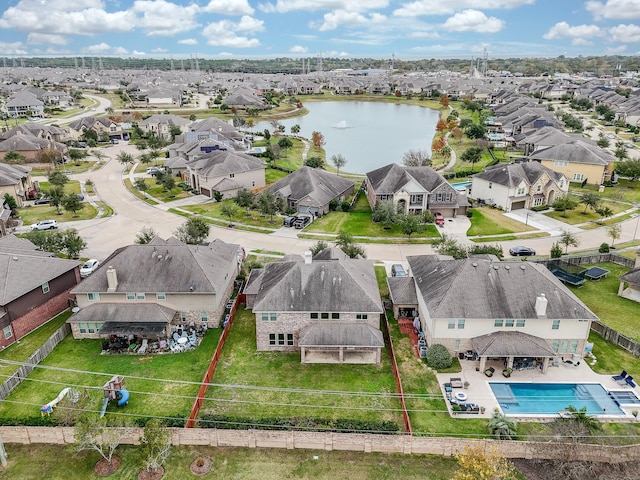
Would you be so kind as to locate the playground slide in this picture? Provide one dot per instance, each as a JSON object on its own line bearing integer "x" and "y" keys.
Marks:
{"x": 47, "y": 407}
{"x": 123, "y": 397}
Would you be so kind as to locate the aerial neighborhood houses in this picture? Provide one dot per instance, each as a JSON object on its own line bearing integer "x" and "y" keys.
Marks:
{"x": 104, "y": 128}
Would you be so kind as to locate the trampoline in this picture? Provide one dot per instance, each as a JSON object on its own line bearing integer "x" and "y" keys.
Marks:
{"x": 596, "y": 273}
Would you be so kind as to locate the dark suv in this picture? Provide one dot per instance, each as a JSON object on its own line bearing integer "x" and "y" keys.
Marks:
{"x": 289, "y": 221}
{"x": 302, "y": 222}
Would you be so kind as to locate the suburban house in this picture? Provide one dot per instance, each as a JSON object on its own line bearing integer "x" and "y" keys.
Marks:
{"x": 162, "y": 124}
{"x": 415, "y": 190}
{"x": 35, "y": 287}
{"x": 103, "y": 126}
{"x": 24, "y": 104}
{"x": 30, "y": 143}
{"x": 578, "y": 160}
{"x": 311, "y": 190}
{"x": 329, "y": 310}
{"x": 518, "y": 185}
{"x": 630, "y": 282}
{"x": 144, "y": 290}
{"x": 225, "y": 172}
{"x": 495, "y": 309}
{"x": 16, "y": 181}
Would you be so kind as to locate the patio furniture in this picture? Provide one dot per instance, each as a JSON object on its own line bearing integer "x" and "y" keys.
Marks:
{"x": 623, "y": 381}
{"x": 143, "y": 347}
{"x": 447, "y": 387}
{"x": 461, "y": 396}
{"x": 623, "y": 374}
{"x": 489, "y": 371}
{"x": 176, "y": 336}
{"x": 456, "y": 382}
{"x": 630, "y": 382}
{"x": 182, "y": 340}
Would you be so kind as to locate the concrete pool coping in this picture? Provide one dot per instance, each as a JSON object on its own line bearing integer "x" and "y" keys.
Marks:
{"x": 480, "y": 393}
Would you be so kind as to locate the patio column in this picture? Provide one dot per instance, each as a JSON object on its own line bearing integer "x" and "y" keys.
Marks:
{"x": 483, "y": 363}
{"x": 341, "y": 356}
{"x": 303, "y": 352}
{"x": 545, "y": 364}
{"x": 510, "y": 362}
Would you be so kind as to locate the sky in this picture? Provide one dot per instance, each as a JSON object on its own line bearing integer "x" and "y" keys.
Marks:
{"x": 406, "y": 29}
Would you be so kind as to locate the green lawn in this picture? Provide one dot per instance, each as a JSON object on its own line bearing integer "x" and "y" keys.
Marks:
{"x": 35, "y": 462}
{"x": 624, "y": 191}
{"x": 492, "y": 221}
{"x": 602, "y": 298}
{"x": 158, "y": 192}
{"x": 272, "y": 175}
{"x": 241, "y": 364}
{"x": 255, "y": 218}
{"x": 34, "y": 214}
{"x": 138, "y": 193}
{"x": 578, "y": 215}
{"x": 150, "y": 394}
{"x": 68, "y": 168}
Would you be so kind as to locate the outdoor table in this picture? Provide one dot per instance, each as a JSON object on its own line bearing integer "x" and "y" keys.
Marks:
{"x": 182, "y": 340}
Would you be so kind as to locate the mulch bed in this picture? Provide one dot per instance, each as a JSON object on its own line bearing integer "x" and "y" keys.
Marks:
{"x": 147, "y": 475}
{"x": 104, "y": 468}
{"x": 201, "y": 469}
{"x": 545, "y": 470}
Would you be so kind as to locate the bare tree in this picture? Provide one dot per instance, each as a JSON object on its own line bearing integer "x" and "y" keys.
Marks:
{"x": 416, "y": 158}
{"x": 338, "y": 161}
{"x": 94, "y": 433}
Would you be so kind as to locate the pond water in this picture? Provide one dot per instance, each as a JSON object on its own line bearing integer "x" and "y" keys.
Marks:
{"x": 368, "y": 134}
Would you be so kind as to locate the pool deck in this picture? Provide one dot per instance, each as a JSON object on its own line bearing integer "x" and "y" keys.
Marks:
{"x": 480, "y": 393}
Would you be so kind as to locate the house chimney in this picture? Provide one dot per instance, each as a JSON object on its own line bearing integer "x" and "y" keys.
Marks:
{"x": 308, "y": 257}
{"x": 541, "y": 306}
{"x": 112, "y": 279}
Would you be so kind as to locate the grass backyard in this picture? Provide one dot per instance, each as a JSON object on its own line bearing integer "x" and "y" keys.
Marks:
{"x": 255, "y": 218}
{"x": 578, "y": 215}
{"x": 492, "y": 221}
{"x": 150, "y": 394}
{"x": 242, "y": 364}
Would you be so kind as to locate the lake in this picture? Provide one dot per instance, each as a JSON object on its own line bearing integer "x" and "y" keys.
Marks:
{"x": 368, "y": 134}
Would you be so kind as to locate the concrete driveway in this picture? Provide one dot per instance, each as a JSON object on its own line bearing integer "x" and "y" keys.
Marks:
{"x": 541, "y": 222}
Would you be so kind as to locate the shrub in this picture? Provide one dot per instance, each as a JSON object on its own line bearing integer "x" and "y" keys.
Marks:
{"x": 470, "y": 213}
{"x": 345, "y": 206}
{"x": 604, "y": 248}
{"x": 333, "y": 205}
{"x": 556, "y": 250}
{"x": 428, "y": 217}
{"x": 438, "y": 357}
{"x": 540, "y": 208}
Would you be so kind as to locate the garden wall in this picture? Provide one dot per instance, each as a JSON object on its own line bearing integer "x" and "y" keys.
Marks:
{"x": 354, "y": 442}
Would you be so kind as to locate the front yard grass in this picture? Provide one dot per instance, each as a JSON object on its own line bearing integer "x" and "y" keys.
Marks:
{"x": 241, "y": 364}
{"x": 578, "y": 215}
{"x": 360, "y": 224}
{"x": 492, "y": 221}
{"x": 255, "y": 218}
{"x": 33, "y": 214}
{"x": 153, "y": 393}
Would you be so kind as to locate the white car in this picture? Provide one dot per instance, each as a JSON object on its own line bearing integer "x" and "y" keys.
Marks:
{"x": 45, "y": 225}
{"x": 89, "y": 267}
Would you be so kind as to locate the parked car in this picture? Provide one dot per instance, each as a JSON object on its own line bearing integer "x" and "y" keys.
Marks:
{"x": 42, "y": 201}
{"x": 289, "y": 221}
{"x": 154, "y": 171}
{"x": 302, "y": 222}
{"x": 398, "y": 270}
{"x": 522, "y": 251}
{"x": 439, "y": 218}
{"x": 89, "y": 267}
{"x": 45, "y": 225}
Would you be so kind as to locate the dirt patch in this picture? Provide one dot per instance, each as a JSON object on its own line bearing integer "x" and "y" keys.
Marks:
{"x": 201, "y": 465}
{"x": 546, "y": 470}
{"x": 154, "y": 475}
{"x": 104, "y": 468}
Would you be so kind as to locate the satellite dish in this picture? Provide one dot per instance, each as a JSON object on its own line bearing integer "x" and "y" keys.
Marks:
{"x": 75, "y": 309}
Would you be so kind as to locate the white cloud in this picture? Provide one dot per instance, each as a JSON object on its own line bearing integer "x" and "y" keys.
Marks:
{"x": 283, "y": 6}
{"x": 579, "y": 35}
{"x": 333, "y": 20}
{"x": 154, "y": 50}
{"x": 473, "y": 21}
{"x": 298, "y": 49}
{"x": 423, "y": 34}
{"x": 188, "y": 41}
{"x": 46, "y": 39}
{"x": 625, "y": 33}
{"x": 162, "y": 18}
{"x": 431, "y": 7}
{"x": 614, "y": 9}
{"x": 224, "y": 33}
{"x": 13, "y": 48}
{"x": 105, "y": 49}
{"x": 229, "y": 7}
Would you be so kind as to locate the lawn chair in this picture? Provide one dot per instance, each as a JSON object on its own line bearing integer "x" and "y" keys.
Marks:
{"x": 456, "y": 382}
{"x": 447, "y": 388}
{"x": 622, "y": 376}
{"x": 629, "y": 381}
{"x": 176, "y": 336}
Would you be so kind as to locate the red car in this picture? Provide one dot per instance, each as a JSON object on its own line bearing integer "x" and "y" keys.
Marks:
{"x": 439, "y": 219}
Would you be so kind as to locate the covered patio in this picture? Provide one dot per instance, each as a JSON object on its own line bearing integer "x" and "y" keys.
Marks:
{"x": 341, "y": 343}
{"x": 510, "y": 346}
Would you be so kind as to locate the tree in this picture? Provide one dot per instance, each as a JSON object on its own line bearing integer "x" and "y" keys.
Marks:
{"x": 629, "y": 169}
{"x": 568, "y": 239}
{"x": 98, "y": 154}
{"x": 167, "y": 181}
{"x": 10, "y": 201}
{"x": 193, "y": 231}
{"x": 477, "y": 463}
{"x": 156, "y": 444}
{"x": 58, "y": 179}
{"x": 457, "y": 133}
{"x": 295, "y": 129}
{"x": 347, "y": 244}
{"x": 56, "y": 194}
{"x": 556, "y": 250}
{"x": 621, "y": 151}
{"x": 317, "y": 247}
{"x": 472, "y": 155}
{"x": 100, "y": 435}
{"x": 14, "y": 157}
{"x": 124, "y": 158}
{"x": 338, "y": 161}
{"x": 441, "y": 126}
{"x": 603, "y": 142}
{"x": 590, "y": 199}
{"x": 267, "y": 135}
{"x": 244, "y": 199}
{"x": 314, "y": 162}
{"x": 267, "y": 204}
{"x": 604, "y": 211}
{"x": 229, "y": 209}
{"x": 446, "y": 245}
{"x": 46, "y": 241}
{"x": 502, "y": 427}
{"x": 71, "y": 203}
{"x": 285, "y": 143}
{"x": 484, "y": 249}
{"x": 475, "y": 131}
{"x": 444, "y": 101}
{"x": 317, "y": 139}
{"x": 145, "y": 235}
{"x": 141, "y": 184}
{"x": 416, "y": 158}
{"x": 77, "y": 154}
{"x": 614, "y": 231}
{"x": 409, "y": 224}
{"x": 384, "y": 212}
{"x": 218, "y": 196}
{"x": 562, "y": 204}
{"x": 438, "y": 357}
{"x": 72, "y": 243}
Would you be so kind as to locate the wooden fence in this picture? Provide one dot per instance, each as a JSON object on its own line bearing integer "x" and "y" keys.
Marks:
{"x": 21, "y": 373}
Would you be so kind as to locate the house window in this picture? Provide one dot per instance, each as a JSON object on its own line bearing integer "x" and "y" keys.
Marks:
{"x": 268, "y": 316}
{"x": 231, "y": 175}
{"x": 335, "y": 316}
{"x": 461, "y": 323}
{"x": 520, "y": 322}
{"x": 82, "y": 327}
{"x": 161, "y": 296}
{"x": 93, "y": 297}
{"x": 508, "y": 322}
{"x": 204, "y": 317}
{"x": 290, "y": 339}
{"x": 273, "y": 317}
{"x": 520, "y": 191}
{"x": 498, "y": 322}
{"x": 457, "y": 345}
{"x": 45, "y": 287}
{"x": 560, "y": 163}
{"x": 140, "y": 296}
{"x": 272, "y": 339}
{"x": 314, "y": 316}
{"x": 281, "y": 339}
{"x": 91, "y": 327}
{"x": 183, "y": 316}
{"x": 539, "y": 188}
{"x": 131, "y": 296}
{"x": 6, "y": 331}
{"x": 361, "y": 316}
{"x": 490, "y": 184}
{"x": 573, "y": 346}
{"x": 452, "y": 324}
{"x": 443, "y": 197}
{"x": 324, "y": 316}
{"x": 578, "y": 177}
{"x": 554, "y": 345}
{"x": 537, "y": 201}
{"x": 555, "y": 324}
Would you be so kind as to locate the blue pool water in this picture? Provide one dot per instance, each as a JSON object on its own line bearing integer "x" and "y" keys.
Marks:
{"x": 461, "y": 186}
{"x": 551, "y": 398}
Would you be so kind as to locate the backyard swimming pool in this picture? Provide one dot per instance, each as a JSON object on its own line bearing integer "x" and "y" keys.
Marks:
{"x": 551, "y": 398}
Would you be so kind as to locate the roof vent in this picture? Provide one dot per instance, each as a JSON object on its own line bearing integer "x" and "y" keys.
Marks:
{"x": 507, "y": 267}
{"x": 496, "y": 267}
{"x": 475, "y": 264}
{"x": 522, "y": 267}
{"x": 15, "y": 259}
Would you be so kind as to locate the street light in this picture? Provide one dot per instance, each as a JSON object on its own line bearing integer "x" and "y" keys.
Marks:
{"x": 526, "y": 221}
{"x": 636, "y": 229}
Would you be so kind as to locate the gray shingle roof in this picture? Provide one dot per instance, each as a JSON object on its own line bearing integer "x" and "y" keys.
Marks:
{"x": 391, "y": 178}
{"x": 170, "y": 267}
{"x": 511, "y": 175}
{"x": 317, "y": 185}
{"x": 124, "y": 312}
{"x": 340, "y": 334}
{"x": 477, "y": 288}
{"x": 224, "y": 162}
{"x": 402, "y": 290}
{"x": 633, "y": 277}
{"x": 508, "y": 344}
{"x": 575, "y": 151}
